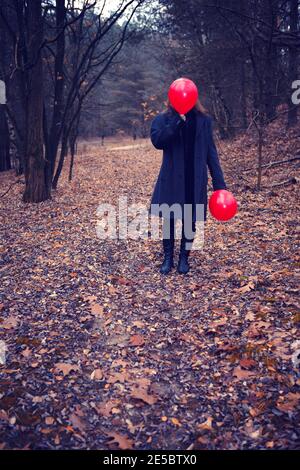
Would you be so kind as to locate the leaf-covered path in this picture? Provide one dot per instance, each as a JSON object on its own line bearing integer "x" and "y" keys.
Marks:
{"x": 104, "y": 352}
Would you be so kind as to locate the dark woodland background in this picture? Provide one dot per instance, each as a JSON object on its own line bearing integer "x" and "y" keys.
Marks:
{"x": 71, "y": 72}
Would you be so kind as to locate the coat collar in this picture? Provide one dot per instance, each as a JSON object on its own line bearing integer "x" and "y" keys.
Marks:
{"x": 201, "y": 118}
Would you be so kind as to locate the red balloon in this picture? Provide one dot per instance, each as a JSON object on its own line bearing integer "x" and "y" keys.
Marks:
{"x": 222, "y": 205}
{"x": 183, "y": 95}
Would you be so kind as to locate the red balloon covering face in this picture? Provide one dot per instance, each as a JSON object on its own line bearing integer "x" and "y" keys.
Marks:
{"x": 183, "y": 95}
{"x": 222, "y": 205}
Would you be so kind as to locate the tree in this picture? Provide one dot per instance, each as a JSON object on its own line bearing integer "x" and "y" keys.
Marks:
{"x": 293, "y": 59}
{"x": 4, "y": 137}
{"x": 77, "y": 49}
{"x": 36, "y": 185}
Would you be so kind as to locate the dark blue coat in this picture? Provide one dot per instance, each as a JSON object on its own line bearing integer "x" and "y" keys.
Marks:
{"x": 166, "y": 135}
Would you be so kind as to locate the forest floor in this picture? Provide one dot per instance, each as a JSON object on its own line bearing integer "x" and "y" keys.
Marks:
{"x": 104, "y": 352}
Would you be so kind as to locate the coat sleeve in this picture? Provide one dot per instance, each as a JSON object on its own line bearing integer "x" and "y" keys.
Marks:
{"x": 164, "y": 129}
{"x": 213, "y": 161}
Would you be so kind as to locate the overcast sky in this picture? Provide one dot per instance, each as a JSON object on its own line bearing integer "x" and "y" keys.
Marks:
{"x": 110, "y": 5}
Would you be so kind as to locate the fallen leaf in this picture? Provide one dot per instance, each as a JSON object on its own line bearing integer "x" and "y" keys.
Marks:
{"x": 137, "y": 340}
{"x": 250, "y": 316}
{"x": 49, "y": 420}
{"x": 77, "y": 422}
{"x": 97, "y": 309}
{"x": 241, "y": 374}
{"x": 118, "y": 377}
{"x": 122, "y": 441}
{"x": 207, "y": 425}
{"x": 217, "y": 323}
{"x": 247, "y": 363}
{"x": 9, "y": 323}
{"x": 105, "y": 408}
{"x": 26, "y": 352}
{"x": 176, "y": 422}
{"x": 141, "y": 393}
{"x": 65, "y": 368}
{"x": 97, "y": 374}
{"x": 138, "y": 324}
{"x": 289, "y": 402}
{"x": 248, "y": 287}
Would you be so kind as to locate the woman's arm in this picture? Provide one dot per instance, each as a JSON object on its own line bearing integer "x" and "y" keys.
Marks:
{"x": 213, "y": 161}
{"x": 164, "y": 128}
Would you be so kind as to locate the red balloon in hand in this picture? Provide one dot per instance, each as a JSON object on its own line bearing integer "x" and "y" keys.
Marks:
{"x": 183, "y": 95}
{"x": 222, "y": 205}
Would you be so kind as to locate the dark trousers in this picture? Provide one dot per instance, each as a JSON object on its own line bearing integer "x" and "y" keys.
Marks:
{"x": 168, "y": 229}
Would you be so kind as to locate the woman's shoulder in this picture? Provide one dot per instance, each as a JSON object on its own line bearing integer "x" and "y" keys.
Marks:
{"x": 161, "y": 115}
{"x": 158, "y": 118}
{"x": 165, "y": 116}
{"x": 208, "y": 120}
{"x": 170, "y": 114}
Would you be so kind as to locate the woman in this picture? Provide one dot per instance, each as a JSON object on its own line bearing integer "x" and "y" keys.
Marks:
{"x": 188, "y": 148}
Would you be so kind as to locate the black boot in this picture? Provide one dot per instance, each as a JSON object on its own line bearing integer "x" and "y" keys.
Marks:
{"x": 185, "y": 248}
{"x": 183, "y": 265}
{"x": 168, "y": 263}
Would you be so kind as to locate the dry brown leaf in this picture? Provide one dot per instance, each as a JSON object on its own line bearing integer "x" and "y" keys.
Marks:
{"x": 241, "y": 374}
{"x": 289, "y": 402}
{"x": 217, "y": 323}
{"x": 65, "y": 368}
{"x": 122, "y": 441}
{"x": 176, "y": 422}
{"x": 137, "y": 340}
{"x": 247, "y": 363}
{"x": 248, "y": 287}
{"x": 77, "y": 422}
{"x": 90, "y": 298}
{"x": 49, "y": 420}
{"x": 105, "y": 408}
{"x": 138, "y": 324}
{"x": 97, "y": 309}
{"x": 141, "y": 393}
{"x": 207, "y": 425}
{"x": 121, "y": 280}
{"x": 26, "y": 352}
{"x": 118, "y": 377}
{"x": 97, "y": 374}
{"x": 250, "y": 316}
{"x": 9, "y": 323}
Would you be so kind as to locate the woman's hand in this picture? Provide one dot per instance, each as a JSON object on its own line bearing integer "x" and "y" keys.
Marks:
{"x": 182, "y": 116}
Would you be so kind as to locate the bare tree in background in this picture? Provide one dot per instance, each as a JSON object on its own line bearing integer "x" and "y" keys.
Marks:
{"x": 36, "y": 188}
{"x": 38, "y": 39}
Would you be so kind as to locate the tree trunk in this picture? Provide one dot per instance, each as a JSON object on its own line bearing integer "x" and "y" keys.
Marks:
{"x": 73, "y": 144}
{"x": 4, "y": 141}
{"x": 270, "y": 98}
{"x": 243, "y": 95}
{"x": 36, "y": 189}
{"x": 56, "y": 124}
{"x": 63, "y": 153}
{"x": 293, "y": 63}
